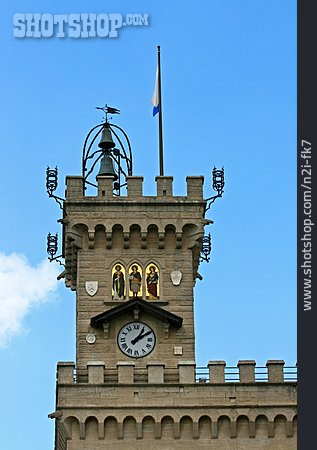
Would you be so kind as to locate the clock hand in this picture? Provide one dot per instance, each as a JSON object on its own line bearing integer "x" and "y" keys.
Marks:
{"x": 140, "y": 336}
{"x": 137, "y": 337}
{"x": 145, "y": 334}
{"x": 141, "y": 331}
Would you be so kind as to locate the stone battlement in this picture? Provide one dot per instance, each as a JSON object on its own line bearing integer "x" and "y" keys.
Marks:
{"x": 164, "y": 187}
{"x": 124, "y": 413}
{"x": 157, "y": 373}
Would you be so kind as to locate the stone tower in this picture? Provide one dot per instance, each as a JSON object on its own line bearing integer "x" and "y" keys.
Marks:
{"x": 133, "y": 261}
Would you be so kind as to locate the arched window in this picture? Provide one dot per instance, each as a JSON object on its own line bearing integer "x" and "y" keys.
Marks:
{"x": 243, "y": 427}
{"x": 129, "y": 428}
{"x": 167, "y": 425}
{"x": 261, "y": 426}
{"x": 224, "y": 427}
{"x": 135, "y": 281}
{"x": 148, "y": 428}
{"x": 152, "y": 282}
{"x": 110, "y": 425}
{"x": 204, "y": 424}
{"x": 186, "y": 427}
{"x": 91, "y": 426}
{"x": 118, "y": 282}
{"x": 72, "y": 426}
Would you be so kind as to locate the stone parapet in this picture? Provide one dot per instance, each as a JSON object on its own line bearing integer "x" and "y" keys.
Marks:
{"x": 65, "y": 372}
{"x": 164, "y": 186}
{"x": 246, "y": 371}
{"x": 186, "y": 371}
{"x": 96, "y": 372}
{"x": 183, "y": 414}
{"x": 156, "y": 372}
{"x": 195, "y": 187}
{"x": 135, "y": 186}
{"x": 216, "y": 371}
{"x": 233, "y": 415}
{"x": 105, "y": 186}
{"x": 125, "y": 372}
{"x": 164, "y": 189}
{"x": 74, "y": 187}
{"x": 275, "y": 370}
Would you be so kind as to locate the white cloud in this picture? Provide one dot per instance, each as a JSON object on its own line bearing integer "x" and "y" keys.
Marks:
{"x": 22, "y": 287}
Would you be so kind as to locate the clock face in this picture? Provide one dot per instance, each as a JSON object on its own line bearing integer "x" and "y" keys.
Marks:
{"x": 136, "y": 339}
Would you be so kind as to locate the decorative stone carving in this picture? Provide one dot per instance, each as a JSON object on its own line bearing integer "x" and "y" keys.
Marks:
{"x": 178, "y": 350}
{"x": 106, "y": 329}
{"x": 166, "y": 330}
{"x": 136, "y": 313}
{"x": 179, "y": 237}
{"x": 91, "y": 338}
{"x": 161, "y": 240}
{"x": 108, "y": 240}
{"x": 176, "y": 277}
{"x": 143, "y": 240}
{"x": 91, "y": 287}
{"x": 91, "y": 239}
{"x": 126, "y": 240}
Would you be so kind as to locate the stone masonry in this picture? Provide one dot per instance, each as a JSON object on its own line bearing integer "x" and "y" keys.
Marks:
{"x": 109, "y": 400}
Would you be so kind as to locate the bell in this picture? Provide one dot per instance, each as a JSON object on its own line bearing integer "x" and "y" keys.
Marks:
{"x": 106, "y": 141}
{"x": 106, "y": 168}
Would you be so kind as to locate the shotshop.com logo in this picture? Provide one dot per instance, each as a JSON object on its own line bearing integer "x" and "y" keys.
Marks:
{"x": 86, "y": 25}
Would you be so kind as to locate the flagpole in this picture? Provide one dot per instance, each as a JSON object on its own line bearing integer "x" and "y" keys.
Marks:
{"x": 160, "y": 112}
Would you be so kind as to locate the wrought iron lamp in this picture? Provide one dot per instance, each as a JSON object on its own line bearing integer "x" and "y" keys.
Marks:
{"x": 218, "y": 183}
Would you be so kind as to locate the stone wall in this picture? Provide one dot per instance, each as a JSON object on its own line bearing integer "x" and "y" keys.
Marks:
{"x": 102, "y": 231}
{"x": 185, "y": 433}
{"x": 212, "y": 415}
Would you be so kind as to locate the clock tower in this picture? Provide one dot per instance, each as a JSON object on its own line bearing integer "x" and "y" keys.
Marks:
{"x": 133, "y": 260}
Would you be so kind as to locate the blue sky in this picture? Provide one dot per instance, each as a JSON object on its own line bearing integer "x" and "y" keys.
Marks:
{"x": 229, "y": 93}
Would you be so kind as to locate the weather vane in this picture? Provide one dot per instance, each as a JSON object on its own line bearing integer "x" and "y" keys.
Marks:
{"x": 108, "y": 110}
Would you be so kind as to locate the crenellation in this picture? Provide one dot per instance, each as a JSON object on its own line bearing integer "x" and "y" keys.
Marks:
{"x": 195, "y": 187}
{"x": 105, "y": 186}
{"x": 216, "y": 371}
{"x": 275, "y": 370}
{"x": 157, "y": 370}
{"x": 74, "y": 187}
{"x": 246, "y": 371}
{"x": 134, "y": 186}
{"x": 96, "y": 372}
{"x": 186, "y": 371}
{"x": 164, "y": 186}
{"x": 125, "y": 372}
{"x": 65, "y": 372}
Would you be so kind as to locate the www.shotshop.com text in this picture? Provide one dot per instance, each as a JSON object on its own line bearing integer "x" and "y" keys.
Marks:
{"x": 307, "y": 223}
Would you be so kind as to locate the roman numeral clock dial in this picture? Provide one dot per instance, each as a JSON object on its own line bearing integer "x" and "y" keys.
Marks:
{"x": 136, "y": 339}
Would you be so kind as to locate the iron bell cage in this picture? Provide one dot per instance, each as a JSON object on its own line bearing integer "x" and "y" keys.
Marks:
{"x": 115, "y": 158}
